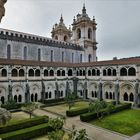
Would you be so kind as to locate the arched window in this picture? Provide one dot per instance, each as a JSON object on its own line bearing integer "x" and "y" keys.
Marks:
{"x": 15, "y": 98}
{"x": 78, "y": 33}
{"x": 31, "y": 72}
{"x": 93, "y": 72}
{"x": 70, "y": 72}
{"x": 89, "y": 72}
{"x": 32, "y": 97}
{"x": 36, "y": 97}
{"x": 58, "y": 73}
{"x": 131, "y": 97}
{"x": 131, "y": 72}
{"x": 50, "y": 95}
{"x": 84, "y": 73}
{"x": 63, "y": 73}
{"x": 110, "y": 94}
{"x": 56, "y": 37}
{"x": 46, "y": 95}
{"x": 95, "y": 94}
{"x": 61, "y": 93}
{"x": 25, "y": 53}
{"x": 21, "y": 73}
{"x": 109, "y": 72}
{"x": 2, "y": 99}
{"x": 89, "y": 58}
{"x": 114, "y": 72}
{"x": 106, "y": 94}
{"x": 51, "y": 73}
{"x": 125, "y": 97}
{"x": 104, "y": 72}
{"x": 77, "y": 73}
{"x": 92, "y": 94}
{"x": 14, "y": 73}
{"x": 81, "y": 73}
{"x": 89, "y": 33}
{"x": 8, "y": 52}
{"x": 37, "y": 72}
{"x": 123, "y": 72}
{"x": 65, "y": 38}
{"x": 98, "y": 72}
{"x": 4, "y": 73}
{"x": 39, "y": 54}
{"x": 113, "y": 95}
{"x": 19, "y": 98}
{"x": 46, "y": 73}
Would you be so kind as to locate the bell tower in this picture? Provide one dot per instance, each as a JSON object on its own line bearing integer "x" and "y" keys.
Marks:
{"x": 84, "y": 33}
{"x": 61, "y": 32}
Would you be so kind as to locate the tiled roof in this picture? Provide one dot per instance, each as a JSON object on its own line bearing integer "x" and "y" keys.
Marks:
{"x": 62, "y": 64}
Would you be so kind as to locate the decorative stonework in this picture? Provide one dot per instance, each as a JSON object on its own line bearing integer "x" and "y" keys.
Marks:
{"x": 2, "y": 9}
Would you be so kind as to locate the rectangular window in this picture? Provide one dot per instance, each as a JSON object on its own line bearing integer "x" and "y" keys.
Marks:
{"x": 81, "y": 57}
{"x": 39, "y": 54}
{"x": 51, "y": 55}
{"x": 8, "y": 52}
{"x": 72, "y": 58}
{"x": 25, "y": 53}
{"x": 62, "y": 56}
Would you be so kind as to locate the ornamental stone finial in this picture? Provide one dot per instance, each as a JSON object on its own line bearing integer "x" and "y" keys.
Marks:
{"x": 2, "y": 9}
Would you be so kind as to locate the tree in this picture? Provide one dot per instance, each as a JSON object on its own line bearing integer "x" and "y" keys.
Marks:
{"x": 109, "y": 108}
{"x": 29, "y": 108}
{"x": 70, "y": 99}
{"x": 5, "y": 116}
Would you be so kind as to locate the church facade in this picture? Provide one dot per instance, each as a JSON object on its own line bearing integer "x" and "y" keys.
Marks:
{"x": 34, "y": 68}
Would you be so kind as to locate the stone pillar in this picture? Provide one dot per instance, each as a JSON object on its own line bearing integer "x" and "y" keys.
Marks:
{"x": 27, "y": 93}
{"x": 117, "y": 92}
{"x": 136, "y": 94}
{"x": 10, "y": 96}
{"x": 57, "y": 90}
{"x": 75, "y": 84}
{"x": 67, "y": 88}
{"x": 100, "y": 91}
{"x": 43, "y": 91}
{"x": 85, "y": 90}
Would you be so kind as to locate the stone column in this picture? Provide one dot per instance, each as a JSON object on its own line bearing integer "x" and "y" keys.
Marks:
{"x": 27, "y": 93}
{"x": 100, "y": 91}
{"x": 117, "y": 92}
{"x": 136, "y": 94}
{"x": 57, "y": 90}
{"x": 75, "y": 83}
{"x": 85, "y": 90}
{"x": 67, "y": 88}
{"x": 10, "y": 96}
{"x": 43, "y": 91}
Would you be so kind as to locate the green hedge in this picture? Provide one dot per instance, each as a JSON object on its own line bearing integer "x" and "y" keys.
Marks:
{"x": 92, "y": 115}
{"x": 23, "y": 124}
{"x": 54, "y": 101}
{"x": 77, "y": 111}
{"x": 27, "y": 133}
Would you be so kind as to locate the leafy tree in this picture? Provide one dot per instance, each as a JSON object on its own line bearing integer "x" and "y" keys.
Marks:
{"x": 109, "y": 108}
{"x": 56, "y": 135}
{"x": 5, "y": 116}
{"x": 70, "y": 99}
{"x": 11, "y": 104}
{"x": 30, "y": 108}
{"x": 82, "y": 135}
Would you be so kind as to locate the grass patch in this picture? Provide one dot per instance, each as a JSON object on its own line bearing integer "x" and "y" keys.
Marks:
{"x": 126, "y": 122}
{"x": 61, "y": 109}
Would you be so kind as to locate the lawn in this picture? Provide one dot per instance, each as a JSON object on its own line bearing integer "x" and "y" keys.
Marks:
{"x": 61, "y": 109}
{"x": 126, "y": 122}
{"x": 17, "y": 116}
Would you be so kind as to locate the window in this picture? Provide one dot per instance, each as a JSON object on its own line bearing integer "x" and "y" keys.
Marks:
{"x": 81, "y": 58}
{"x": 89, "y": 73}
{"x": 123, "y": 72}
{"x": 125, "y": 96}
{"x": 36, "y": 97}
{"x": 39, "y": 54}
{"x": 62, "y": 56}
{"x": 4, "y": 73}
{"x": 89, "y": 58}
{"x": 31, "y": 72}
{"x": 109, "y": 72}
{"x": 78, "y": 33}
{"x": 70, "y": 72}
{"x": 8, "y": 52}
{"x": 89, "y": 33}
{"x": 19, "y": 98}
{"x": 25, "y": 53}
{"x": 37, "y": 72}
{"x": 58, "y": 73}
{"x": 72, "y": 60}
{"x": 56, "y": 37}
{"x": 51, "y": 55}
{"x": 131, "y": 97}
{"x": 51, "y": 73}
{"x": 63, "y": 73}
{"x": 14, "y": 73}
{"x": 65, "y": 38}
{"x": 46, "y": 73}
{"x": 131, "y": 72}
{"x": 21, "y": 73}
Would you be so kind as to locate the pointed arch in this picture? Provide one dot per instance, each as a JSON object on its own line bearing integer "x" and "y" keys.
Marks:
{"x": 4, "y": 73}
{"x": 131, "y": 97}
{"x": 131, "y": 71}
{"x": 125, "y": 96}
{"x": 123, "y": 72}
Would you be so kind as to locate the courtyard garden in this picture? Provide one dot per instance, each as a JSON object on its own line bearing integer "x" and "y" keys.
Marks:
{"x": 126, "y": 122}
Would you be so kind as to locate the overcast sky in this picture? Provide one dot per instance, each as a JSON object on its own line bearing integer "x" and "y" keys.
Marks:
{"x": 118, "y": 29}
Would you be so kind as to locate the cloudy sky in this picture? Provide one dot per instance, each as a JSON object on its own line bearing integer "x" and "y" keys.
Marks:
{"x": 118, "y": 29}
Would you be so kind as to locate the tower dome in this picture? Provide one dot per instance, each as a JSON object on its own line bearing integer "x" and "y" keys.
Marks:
{"x": 61, "y": 32}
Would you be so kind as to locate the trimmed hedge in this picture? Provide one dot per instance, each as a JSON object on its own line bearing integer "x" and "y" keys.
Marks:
{"x": 23, "y": 124}
{"x": 13, "y": 106}
{"x": 77, "y": 111}
{"x": 54, "y": 101}
{"x": 28, "y": 133}
{"x": 92, "y": 115}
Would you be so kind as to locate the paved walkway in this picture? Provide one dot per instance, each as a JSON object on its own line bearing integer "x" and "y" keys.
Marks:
{"x": 93, "y": 132}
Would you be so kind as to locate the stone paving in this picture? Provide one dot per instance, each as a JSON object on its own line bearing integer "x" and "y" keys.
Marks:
{"x": 93, "y": 132}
